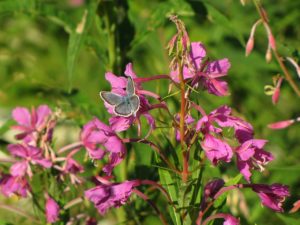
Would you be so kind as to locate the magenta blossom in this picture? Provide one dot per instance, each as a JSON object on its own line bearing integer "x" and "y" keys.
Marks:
{"x": 100, "y": 140}
{"x": 29, "y": 154}
{"x": 106, "y": 196}
{"x": 250, "y": 155}
{"x": 216, "y": 149}
{"x": 271, "y": 196}
{"x": 14, "y": 185}
{"x": 52, "y": 210}
{"x": 31, "y": 123}
{"x": 204, "y": 73}
{"x": 223, "y": 118}
{"x": 118, "y": 84}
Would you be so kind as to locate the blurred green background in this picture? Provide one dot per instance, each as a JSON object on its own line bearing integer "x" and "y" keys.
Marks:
{"x": 57, "y": 52}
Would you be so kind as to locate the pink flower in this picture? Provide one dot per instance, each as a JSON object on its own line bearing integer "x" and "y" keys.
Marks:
{"x": 29, "y": 154}
{"x": 106, "y": 196}
{"x": 14, "y": 185}
{"x": 271, "y": 196}
{"x": 216, "y": 149}
{"x": 250, "y": 155}
{"x": 52, "y": 210}
{"x": 222, "y": 117}
{"x": 118, "y": 84}
{"x": 30, "y": 124}
{"x": 100, "y": 140}
{"x": 204, "y": 74}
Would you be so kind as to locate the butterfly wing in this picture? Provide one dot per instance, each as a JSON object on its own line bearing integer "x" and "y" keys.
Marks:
{"x": 130, "y": 90}
{"x": 111, "y": 98}
{"x": 123, "y": 109}
{"x": 134, "y": 103}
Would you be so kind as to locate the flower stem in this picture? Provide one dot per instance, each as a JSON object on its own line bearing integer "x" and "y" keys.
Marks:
{"x": 181, "y": 123}
{"x": 70, "y": 147}
{"x": 146, "y": 198}
{"x": 155, "y": 148}
{"x": 286, "y": 73}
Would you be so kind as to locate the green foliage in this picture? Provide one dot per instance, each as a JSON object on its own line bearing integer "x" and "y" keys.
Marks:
{"x": 55, "y": 53}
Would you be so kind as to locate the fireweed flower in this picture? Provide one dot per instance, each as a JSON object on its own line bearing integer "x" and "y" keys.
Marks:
{"x": 216, "y": 149}
{"x": 100, "y": 140}
{"x": 211, "y": 126}
{"x": 118, "y": 84}
{"x": 223, "y": 118}
{"x": 271, "y": 196}
{"x": 251, "y": 155}
{"x": 14, "y": 185}
{"x": 29, "y": 154}
{"x": 30, "y": 124}
{"x": 204, "y": 74}
{"x": 52, "y": 210}
{"x": 106, "y": 196}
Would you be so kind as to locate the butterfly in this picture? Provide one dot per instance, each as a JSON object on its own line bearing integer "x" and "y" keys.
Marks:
{"x": 123, "y": 105}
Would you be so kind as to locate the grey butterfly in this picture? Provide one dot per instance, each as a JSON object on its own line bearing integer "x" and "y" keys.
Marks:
{"x": 123, "y": 105}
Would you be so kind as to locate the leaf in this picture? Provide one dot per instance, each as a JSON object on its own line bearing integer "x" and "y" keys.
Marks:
{"x": 288, "y": 219}
{"x": 77, "y": 38}
{"x": 167, "y": 179}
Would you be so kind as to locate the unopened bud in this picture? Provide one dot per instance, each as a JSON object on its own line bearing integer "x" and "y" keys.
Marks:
{"x": 271, "y": 39}
{"x": 250, "y": 43}
{"x": 269, "y": 54}
{"x": 281, "y": 124}
{"x": 276, "y": 94}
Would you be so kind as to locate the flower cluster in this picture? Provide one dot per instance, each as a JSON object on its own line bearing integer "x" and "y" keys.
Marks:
{"x": 33, "y": 154}
{"x": 206, "y": 135}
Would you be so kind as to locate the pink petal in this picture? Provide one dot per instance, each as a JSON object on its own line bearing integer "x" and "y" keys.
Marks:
{"x": 22, "y": 116}
{"x": 129, "y": 71}
{"x": 19, "y": 169}
{"x": 52, "y": 210}
{"x": 115, "y": 81}
{"x": 42, "y": 112}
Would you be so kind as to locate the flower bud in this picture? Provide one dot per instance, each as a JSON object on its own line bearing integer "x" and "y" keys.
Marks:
{"x": 271, "y": 39}
{"x": 281, "y": 124}
{"x": 269, "y": 54}
{"x": 250, "y": 43}
{"x": 276, "y": 94}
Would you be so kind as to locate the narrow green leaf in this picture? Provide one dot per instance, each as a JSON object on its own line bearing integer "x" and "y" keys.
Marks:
{"x": 77, "y": 38}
